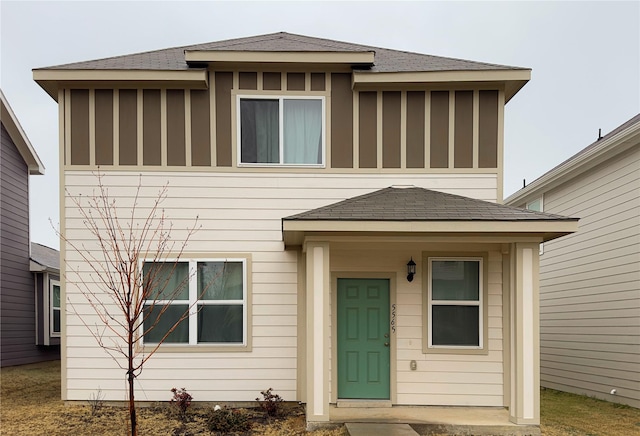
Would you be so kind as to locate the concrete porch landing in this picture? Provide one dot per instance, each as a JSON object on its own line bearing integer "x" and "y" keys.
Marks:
{"x": 428, "y": 420}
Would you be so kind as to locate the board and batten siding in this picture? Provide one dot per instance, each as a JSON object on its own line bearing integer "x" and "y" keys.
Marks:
{"x": 417, "y": 130}
{"x": 590, "y": 285}
{"x": 17, "y": 288}
{"x": 241, "y": 212}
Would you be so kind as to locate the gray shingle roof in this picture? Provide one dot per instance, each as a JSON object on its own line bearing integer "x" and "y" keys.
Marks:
{"x": 419, "y": 204}
{"x": 45, "y": 256}
{"x": 386, "y": 60}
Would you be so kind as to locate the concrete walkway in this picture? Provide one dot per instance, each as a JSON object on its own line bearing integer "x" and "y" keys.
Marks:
{"x": 428, "y": 420}
{"x": 362, "y": 429}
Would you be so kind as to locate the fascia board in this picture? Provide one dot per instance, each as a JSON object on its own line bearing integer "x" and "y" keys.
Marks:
{"x": 560, "y": 226}
{"x": 577, "y": 165}
{"x": 350, "y": 57}
{"x": 19, "y": 138}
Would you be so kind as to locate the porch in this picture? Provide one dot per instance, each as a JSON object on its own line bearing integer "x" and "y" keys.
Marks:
{"x": 431, "y": 420}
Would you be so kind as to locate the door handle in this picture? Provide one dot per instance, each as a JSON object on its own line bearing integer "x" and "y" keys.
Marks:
{"x": 386, "y": 344}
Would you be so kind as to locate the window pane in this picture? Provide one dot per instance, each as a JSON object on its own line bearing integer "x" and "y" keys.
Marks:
{"x": 260, "y": 131}
{"x": 56, "y": 321}
{"x": 220, "y": 281}
{"x": 56, "y": 296}
{"x": 455, "y": 280}
{"x": 535, "y": 205}
{"x": 220, "y": 324}
{"x": 165, "y": 323}
{"x": 303, "y": 131}
{"x": 170, "y": 280}
{"x": 455, "y": 325}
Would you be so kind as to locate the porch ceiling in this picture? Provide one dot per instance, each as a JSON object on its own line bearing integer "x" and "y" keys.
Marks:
{"x": 418, "y": 212}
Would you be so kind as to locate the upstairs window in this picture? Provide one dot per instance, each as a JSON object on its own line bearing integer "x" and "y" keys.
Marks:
{"x": 281, "y": 130}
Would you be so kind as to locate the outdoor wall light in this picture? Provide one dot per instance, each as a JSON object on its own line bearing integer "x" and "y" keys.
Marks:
{"x": 411, "y": 269}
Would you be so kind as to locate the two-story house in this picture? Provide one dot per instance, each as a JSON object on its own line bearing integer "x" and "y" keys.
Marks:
{"x": 28, "y": 272}
{"x": 352, "y": 193}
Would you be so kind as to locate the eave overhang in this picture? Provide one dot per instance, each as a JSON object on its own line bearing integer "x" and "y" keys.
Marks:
{"x": 19, "y": 137}
{"x": 362, "y": 58}
{"x": 294, "y": 231}
{"x": 37, "y": 267}
{"x": 52, "y": 80}
{"x": 511, "y": 80}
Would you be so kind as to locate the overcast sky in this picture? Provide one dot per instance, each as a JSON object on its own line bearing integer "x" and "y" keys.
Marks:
{"x": 585, "y": 58}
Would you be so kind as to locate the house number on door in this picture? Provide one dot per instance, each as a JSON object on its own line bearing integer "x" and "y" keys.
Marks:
{"x": 393, "y": 318}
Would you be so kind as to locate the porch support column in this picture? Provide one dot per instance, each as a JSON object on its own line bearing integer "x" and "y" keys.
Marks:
{"x": 525, "y": 335}
{"x": 318, "y": 292}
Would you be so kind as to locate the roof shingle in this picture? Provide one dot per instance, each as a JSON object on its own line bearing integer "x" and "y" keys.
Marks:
{"x": 386, "y": 60}
{"x": 419, "y": 204}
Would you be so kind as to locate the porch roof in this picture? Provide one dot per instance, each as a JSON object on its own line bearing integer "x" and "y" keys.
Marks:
{"x": 411, "y": 210}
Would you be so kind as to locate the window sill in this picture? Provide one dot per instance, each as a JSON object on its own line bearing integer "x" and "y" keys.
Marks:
{"x": 463, "y": 351}
{"x": 179, "y": 348}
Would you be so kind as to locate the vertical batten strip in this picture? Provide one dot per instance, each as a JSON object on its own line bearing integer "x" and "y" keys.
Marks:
{"x": 356, "y": 129}
{"x": 500, "y": 188}
{"x": 163, "y": 127}
{"x": 212, "y": 115}
{"x": 403, "y": 129}
{"x": 140, "y": 127}
{"x": 116, "y": 127}
{"x": 379, "y": 129}
{"x": 92, "y": 127}
{"x": 427, "y": 129}
{"x": 452, "y": 127}
{"x": 67, "y": 127}
{"x": 283, "y": 81}
{"x": 235, "y": 80}
{"x": 327, "y": 136}
{"x": 307, "y": 81}
{"x": 259, "y": 82}
{"x": 476, "y": 127}
{"x": 187, "y": 123}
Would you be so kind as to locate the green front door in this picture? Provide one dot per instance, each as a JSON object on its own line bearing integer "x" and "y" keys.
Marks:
{"x": 363, "y": 339}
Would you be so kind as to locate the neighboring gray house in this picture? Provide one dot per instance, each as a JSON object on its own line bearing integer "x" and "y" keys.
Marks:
{"x": 18, "y": 159}
{"x": 590, "y": 281}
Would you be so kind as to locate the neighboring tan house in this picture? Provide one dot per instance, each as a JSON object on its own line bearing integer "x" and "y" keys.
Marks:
{"x": 19, "y": 328}
{"x": 319, "y": 169}
{"x": 590, "y": 281}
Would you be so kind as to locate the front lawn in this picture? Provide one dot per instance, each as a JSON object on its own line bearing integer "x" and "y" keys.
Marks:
{"x": 30, "y": 405}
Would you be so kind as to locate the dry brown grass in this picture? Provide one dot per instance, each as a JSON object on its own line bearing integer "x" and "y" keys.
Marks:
{"x": 30, "y": 405}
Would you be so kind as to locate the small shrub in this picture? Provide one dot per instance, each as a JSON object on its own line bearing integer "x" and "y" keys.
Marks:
{"x": 270, "y": 403}
{"x": 228, "y": 420}
{"x": 181, "y": 401}
{"x": 96, "y": 402}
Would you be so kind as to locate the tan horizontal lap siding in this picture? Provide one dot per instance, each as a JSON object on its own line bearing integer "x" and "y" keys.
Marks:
{"x": 104, "y": 126}
{"x": 240, "y": 213}
{"x": 589, "y": 295}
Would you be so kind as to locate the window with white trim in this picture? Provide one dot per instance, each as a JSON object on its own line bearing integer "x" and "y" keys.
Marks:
{"x": 213, "y": 292}
{"x": 55, "y": 307}
{"x": 276, "y": 130}
{"x": 455, "y": 303}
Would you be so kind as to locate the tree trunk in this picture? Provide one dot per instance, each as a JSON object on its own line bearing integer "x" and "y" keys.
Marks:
{"x": 132, "y": 406}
